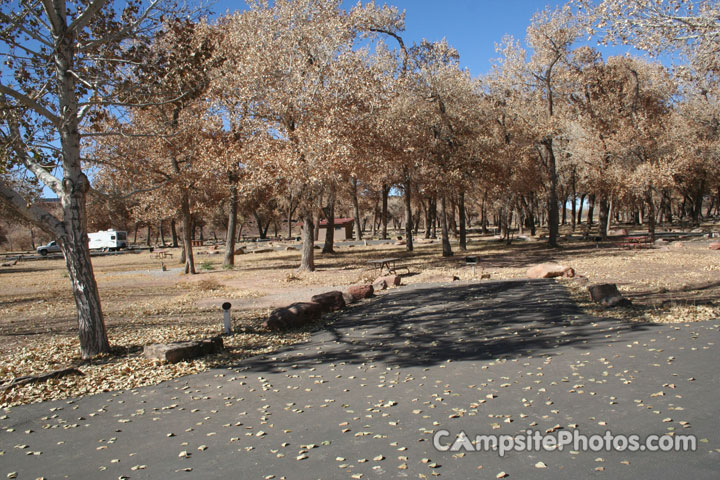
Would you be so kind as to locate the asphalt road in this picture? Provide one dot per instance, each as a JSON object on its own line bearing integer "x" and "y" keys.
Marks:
{"x": 364, "y": 398}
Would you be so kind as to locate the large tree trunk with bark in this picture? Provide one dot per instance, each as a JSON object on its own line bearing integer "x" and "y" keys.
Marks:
{"x": 446, "y": 249}
{"x": 187, "y": 235}
{"x": 408, "y": 214}
{"x": 229, "y": 259}
{"x": 75, "y": 185}
{"x": 74, "y": 245}
{"x": 307, "y": 261}
{"x": 463, "y": 230}
{"x": 356, "y": 209}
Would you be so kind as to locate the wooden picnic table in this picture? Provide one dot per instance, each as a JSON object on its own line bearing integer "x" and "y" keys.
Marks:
{"x": 388, "y": 264}
{"x": 162, "y": 254}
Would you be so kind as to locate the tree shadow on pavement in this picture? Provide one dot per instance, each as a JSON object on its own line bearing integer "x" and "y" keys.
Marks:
{"x": 426, "y": 325}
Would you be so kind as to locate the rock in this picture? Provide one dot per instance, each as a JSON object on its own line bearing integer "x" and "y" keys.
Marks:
{"x": 714, "y": 246}
{"x": 329, "y": 301}
{"x": 358, "y": 292}
{"x": 550, "y": 270}
{"x": 349, "y": 299}
{"x": 380, "y": 284}
{"x": 607, "y": 294}
{"x": 288, "y": 249}
{"x": 240, "y": 251}
{"x": 618, "y": 232}
{"x": 179, "y": 351}
{"x": 263, "y": 250}
{"x": 390, "y": 281}
{"x": 292, "y": 316}
{"x": 484, "y": 276}
{"x": 424, "y": 240}
{"x": 676, "y": 245}
{"x": 401, "y": 242}
{"x": 660, "y": 242}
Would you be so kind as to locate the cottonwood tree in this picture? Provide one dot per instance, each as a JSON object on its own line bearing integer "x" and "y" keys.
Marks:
{"x": 297, "y": 53}
{"x": 540, "y": 79}
{"x": 58, "y": 56}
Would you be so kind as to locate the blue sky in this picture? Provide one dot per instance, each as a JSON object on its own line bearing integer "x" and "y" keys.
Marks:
{"x": 471, "y": 26}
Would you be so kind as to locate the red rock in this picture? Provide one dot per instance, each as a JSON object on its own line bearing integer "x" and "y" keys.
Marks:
{"x": 390, "y": 280}
{"x": 179, "y": 351}
{"x": 329, "y": 301}
{"x": 358, "y": 292}
{"x": 380, "y": 284}
{"x": 550, "y": 270}
{"x": 715, "y": 246}
{"x": 292, "y": 316}
{"x": 607, "y": 294}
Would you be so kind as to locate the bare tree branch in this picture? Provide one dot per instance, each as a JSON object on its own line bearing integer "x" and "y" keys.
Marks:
{"x": 32, "y": 104}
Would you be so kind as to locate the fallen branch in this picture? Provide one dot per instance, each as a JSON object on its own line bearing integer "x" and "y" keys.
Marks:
{"x": 42, "y": 377}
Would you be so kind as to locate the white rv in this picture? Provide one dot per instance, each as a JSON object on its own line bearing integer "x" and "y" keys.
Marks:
{"x": 108, "y": 240}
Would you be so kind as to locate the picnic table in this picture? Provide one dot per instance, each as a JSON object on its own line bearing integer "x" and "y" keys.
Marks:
{"x": 637, "y": 241}
{"x": 388, "y": 264}
{"x": 162, "y": 254}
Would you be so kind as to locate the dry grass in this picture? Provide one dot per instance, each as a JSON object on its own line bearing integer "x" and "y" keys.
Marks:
{"x": 145, "y": 305}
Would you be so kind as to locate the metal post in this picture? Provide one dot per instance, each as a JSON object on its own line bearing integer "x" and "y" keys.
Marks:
{"x": 226, "y": 310}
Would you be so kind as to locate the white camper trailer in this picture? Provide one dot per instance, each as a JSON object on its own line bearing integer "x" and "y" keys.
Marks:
{"x": 108, "y": 240}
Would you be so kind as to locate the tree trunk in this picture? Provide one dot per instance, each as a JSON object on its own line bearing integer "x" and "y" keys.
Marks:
{"x": 591, "y": 210}
{"x": 259, "y": 223}
{"x": 384, "y": 217}
{"x": 580, "y": 210}
{"x": 604, "y": 218}
{"x": 137, "y": 225}
{"x": 329, "y": 212}
{"x": 307, "y": 261}
{"x": 552, "y": 207}
{"x": 148, "y": 240}
{"x": 463, "y": 230}
{"x": 446, "y": 249}
{"x": 229, "y": 259}
{"x": 75, "y": 185}
{"x": 162, "y": 234}
{"x": 187, "y": 234}
{"x": 356, "y": 209}
{"x": 32, "y": 238}
{"x": 74, "y": 245}
{"x": 651, "y": 213}
{"x": 173, "y": 232}
{"x": 408, "y": 213}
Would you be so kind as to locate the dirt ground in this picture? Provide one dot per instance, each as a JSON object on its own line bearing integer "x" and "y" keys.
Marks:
{"x": 145, "y": 304}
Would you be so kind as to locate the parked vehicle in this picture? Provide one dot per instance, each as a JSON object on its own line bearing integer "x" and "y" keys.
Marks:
{"x": 51, "y": 247}
{"x": 108, "y": 240}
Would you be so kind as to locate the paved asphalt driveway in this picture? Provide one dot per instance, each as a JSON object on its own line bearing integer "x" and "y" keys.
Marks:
{"x": 364, "y": 398}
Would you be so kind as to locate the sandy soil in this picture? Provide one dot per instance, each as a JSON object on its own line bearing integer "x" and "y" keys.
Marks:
{"x": 144, "y": 304}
